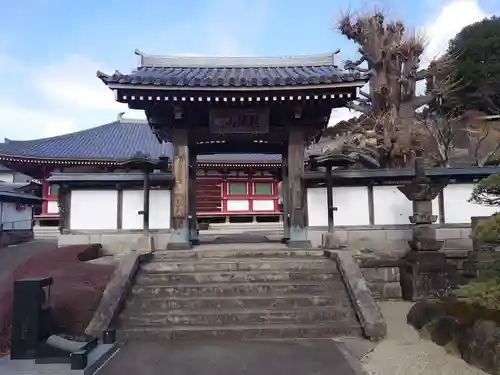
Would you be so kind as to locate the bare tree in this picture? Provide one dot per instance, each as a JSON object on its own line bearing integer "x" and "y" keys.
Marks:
{"x": 484, "y": 136}
{"x": 390, "y": 128}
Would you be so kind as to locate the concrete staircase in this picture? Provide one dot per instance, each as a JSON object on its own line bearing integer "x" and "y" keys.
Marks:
{"x": 244, "y": 291}
{"x": 46, "y": 233}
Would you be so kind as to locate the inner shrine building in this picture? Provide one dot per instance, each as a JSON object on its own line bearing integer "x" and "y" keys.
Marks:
{"x": 211, "y": 105}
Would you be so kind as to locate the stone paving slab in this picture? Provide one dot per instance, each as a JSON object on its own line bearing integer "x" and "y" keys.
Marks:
{"x": 96, "y": 359}
{"x": 304, "y": 357}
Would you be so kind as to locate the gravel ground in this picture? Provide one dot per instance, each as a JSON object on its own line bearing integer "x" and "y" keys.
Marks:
{"x": 403, "y": 352}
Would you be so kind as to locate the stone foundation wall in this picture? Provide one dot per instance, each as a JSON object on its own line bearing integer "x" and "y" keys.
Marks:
{"x": 390, "y": 239}
{"x": 382, "y": 277}
{"x": 113, "y": 243}
{"x": 12, "y": 237}
{"x": 382, "y": 274}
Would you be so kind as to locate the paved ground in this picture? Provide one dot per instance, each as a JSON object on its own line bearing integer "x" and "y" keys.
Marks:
{"x": 404, "y": 352}
{"x": 12, "y": 256}
{"x": 232, "y": 358}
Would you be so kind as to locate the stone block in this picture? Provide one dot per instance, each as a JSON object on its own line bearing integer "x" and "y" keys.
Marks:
{"x": 458, "y": 244}
{"x": 341, "y": 235}
{"x": 398, "y": 234}
{"x": 330, "y": 241}
{"x": 161, "y": 240}
{"x": 367, "y": 239}
{"x": 95, "y": 237}
{"x": 386, "y": 274}
{"x": 465, "y": 232}
{"x": 425, "y": 274}
{"x": 119, "y": 243}
{"x": 385, "y": 291}
{"x": 448, "y": 233}
{"x": 315, "y": 237}
{"x": 73, "y": 239}
{"x": 368, "y": 312}
{"x": 114, "y": 295}
{"x": 146, "y": 244}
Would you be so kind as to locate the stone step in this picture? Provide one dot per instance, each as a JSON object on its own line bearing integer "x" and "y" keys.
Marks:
{"x": 233, "y": 289}
{"x": 176, "y": 318}
{"x": 168, "y": 278}
{"x": 138, "y": 304}
{"x": 238, "y": 264}
{"x": 247, "y": 331}
{"x": 236, "y": 253}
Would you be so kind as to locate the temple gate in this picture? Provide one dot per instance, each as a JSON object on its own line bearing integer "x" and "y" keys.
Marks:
{"x": 208, "y": 105}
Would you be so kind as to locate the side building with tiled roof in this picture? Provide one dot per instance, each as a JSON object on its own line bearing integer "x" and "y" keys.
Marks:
{"x": 94, "y": 156}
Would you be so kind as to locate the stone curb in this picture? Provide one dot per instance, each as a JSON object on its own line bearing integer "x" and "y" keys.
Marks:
{"x": 367, "y": 310}
{"x": 115, "y": 293}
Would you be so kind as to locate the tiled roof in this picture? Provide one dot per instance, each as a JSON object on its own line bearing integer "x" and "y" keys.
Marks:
{"x": 116, "y": 140}
{"x": 234, "y": 72}
{"x": 7, "y": 194}
{"x": 120, "y": 139}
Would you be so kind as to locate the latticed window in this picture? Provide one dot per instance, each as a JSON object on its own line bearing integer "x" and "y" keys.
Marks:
{"x": 263, "y": 188}
{"x": 237, "y": 188}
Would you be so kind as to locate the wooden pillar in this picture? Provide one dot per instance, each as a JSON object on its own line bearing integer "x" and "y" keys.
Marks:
{"x": 179, "y": 236}
{"x": 193, "y": 222}
{"x": 296, "y": 189}
{"x": 329, "y": 198}
{"x": 285, "y": 198}
{"x": 329, "y": 240}
{"x": 145, "y": 209}
{"x": 63, "y": 203}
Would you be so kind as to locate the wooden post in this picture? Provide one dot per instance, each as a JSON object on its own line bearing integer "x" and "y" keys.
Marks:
{"x": 329, "y": 240}
{"x": 296, "y": 188}
{"x": 329, "y": 197}
{"x": 179, "y": 237}
{"x": 193, "y": 222}
{"x": 145, "y": 209}
{"x": 286, "y": 198}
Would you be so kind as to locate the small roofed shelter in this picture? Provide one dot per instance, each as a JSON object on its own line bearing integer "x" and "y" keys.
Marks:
{"x": 16, "y": 215}
{"x": 207, "y": 105}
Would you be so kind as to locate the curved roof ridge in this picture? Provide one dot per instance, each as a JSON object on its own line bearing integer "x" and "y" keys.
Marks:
{"x": 161, "y": 61}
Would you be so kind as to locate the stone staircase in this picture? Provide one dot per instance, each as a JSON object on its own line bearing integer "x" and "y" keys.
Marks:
{"x": 46, "y": 233}
{"x": 243, "y": 291}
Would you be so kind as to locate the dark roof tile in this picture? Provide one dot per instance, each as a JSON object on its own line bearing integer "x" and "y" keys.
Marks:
{"x": 120, "y": 139}
{"x": 234, "y": 72}
{"x": 115, "y": 140}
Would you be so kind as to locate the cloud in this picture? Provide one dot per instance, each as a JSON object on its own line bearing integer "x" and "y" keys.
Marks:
{"x": 64, "y": 95}
{"x": 25, "y": 123}
{"x": 448, "y": 22}
{"x": 58, "y": 96}
{"x": 73, "y": 82}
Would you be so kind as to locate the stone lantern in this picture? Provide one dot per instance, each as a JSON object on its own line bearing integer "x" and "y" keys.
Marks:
{"x": 425, "y": 271}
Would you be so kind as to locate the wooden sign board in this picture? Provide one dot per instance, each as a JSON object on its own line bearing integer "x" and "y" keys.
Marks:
{"x": 239, "y": 121}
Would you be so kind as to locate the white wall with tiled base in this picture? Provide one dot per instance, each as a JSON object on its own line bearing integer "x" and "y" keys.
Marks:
{"x": 93, "y": 217}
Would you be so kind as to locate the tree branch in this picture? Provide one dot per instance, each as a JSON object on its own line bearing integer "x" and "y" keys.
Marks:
{"x": 365, "y": 94}
{"x": 365, "y": 109}
{"x": 421, "y": 75}
{"x": 421, "y": 100}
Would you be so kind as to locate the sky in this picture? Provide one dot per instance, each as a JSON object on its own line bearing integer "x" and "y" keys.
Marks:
{"x": 50, "y": 50}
